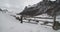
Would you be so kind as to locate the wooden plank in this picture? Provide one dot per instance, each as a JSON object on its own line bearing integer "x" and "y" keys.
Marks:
{"x": 39, "y": 20}
{"x": 37, "y": 23}
{"x": 40, "y": 17}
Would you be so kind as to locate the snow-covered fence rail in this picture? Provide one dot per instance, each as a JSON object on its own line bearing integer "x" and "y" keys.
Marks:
{"x": 32, "y": 20}
{"x": 37, "y": 20}
{"x": 48, "y": 21}
{"x": 43, "y": 17}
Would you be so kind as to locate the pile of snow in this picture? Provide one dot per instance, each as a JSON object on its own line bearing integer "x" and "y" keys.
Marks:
{"x": 10, "y": 24}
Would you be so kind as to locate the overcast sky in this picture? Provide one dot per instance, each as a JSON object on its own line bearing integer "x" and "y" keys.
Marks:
{"x": 16, "y": 5}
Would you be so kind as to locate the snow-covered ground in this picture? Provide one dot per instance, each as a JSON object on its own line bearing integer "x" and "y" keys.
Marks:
{"x": 10, "y": 24}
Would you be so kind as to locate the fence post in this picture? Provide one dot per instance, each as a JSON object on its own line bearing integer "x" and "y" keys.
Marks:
{"x": 54, "y": 24}
{"x": 21, "y": 19}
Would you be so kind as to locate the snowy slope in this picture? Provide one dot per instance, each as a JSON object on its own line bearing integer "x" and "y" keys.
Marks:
{"x": 10, "y": 24}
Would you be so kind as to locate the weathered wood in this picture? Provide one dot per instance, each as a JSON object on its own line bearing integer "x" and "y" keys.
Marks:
{"x": 38, "y": 20}
{"x": 37, "y": 23}
{"x": 42, "y": 17}
{"x": 54, "y": 27}
{"x": 54, "y": 20}
{"x": 21, "y": 19}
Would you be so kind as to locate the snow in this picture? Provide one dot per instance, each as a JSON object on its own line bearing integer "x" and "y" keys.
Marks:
{"x": 10, "y": 24}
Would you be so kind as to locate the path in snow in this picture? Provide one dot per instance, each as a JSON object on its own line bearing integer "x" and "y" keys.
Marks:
{"x": 10, "y": 24}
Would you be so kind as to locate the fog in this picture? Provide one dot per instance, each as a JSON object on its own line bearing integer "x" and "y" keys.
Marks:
{"x": 16, "y": 5}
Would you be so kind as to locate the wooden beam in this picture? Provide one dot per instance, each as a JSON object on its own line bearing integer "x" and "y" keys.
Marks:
{"x": 42, "y": 17}
{"x": 38, "y": 20}
{"x": 21, "y": 19}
